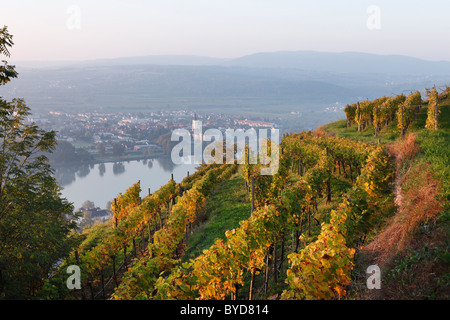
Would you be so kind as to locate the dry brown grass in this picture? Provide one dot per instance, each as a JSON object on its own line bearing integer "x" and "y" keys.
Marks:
{"x": 417, "y": 205}
{"x": 404, "y": 150}
{"x": 416, "y": 199}
{"x": 319, "y": 132}
{"x": 416, "y": 192}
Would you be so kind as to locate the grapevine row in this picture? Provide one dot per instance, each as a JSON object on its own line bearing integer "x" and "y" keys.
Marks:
{"x": 221, "y": 270}
{"x": 168, "y": 243}
{"x": 321, "y": 270}
{"x": 134, "y": 218}
{"x": 382, "y": 111}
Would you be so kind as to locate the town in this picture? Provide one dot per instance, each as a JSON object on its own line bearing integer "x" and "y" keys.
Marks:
{"x": 95, "y": 137}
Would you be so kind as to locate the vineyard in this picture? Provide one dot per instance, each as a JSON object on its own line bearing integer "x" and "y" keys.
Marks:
{"x": 400, "y": 109}
{"x": 306, "y": 226}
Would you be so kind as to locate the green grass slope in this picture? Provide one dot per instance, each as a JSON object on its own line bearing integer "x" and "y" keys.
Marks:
{"x": 227, "y": 206}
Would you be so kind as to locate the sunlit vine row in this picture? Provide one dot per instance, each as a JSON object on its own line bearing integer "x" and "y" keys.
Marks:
{"x": 221, "y": 270}
{"x": 133, "y": 218}
{"x": 321, "y": 270}
{"x": 167, "y": 246}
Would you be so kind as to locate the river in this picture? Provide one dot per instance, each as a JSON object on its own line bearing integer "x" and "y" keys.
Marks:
{"x": 102, "y": 182}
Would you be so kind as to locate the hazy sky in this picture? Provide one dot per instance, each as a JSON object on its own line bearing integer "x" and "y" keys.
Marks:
{"x": 81, "y": 30}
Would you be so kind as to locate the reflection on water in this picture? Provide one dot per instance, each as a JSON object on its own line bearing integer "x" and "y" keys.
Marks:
{"x": 118, "y": 168}
{"x": 166, "y": 163}
{"x": 103, "y": 182}
{"x": 101, "y": 169}
{"x": 84, "y": 171}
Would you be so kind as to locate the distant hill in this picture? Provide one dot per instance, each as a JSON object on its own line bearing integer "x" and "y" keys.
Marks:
{"x": 262, "y": 82}
{"x": 160, "y": 60}
{"x": 347, "y": 62}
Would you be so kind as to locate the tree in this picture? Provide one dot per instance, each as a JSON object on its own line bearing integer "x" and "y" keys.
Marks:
{"x": 101, "y": 149}
{"x": 64, "y": 152}
{"x": 88, "y": 205}
{"x": 432, "y": 122}
{"x": 35, "y": 222}
{"x": 87, "y": 220}
{"x": 118, "y": 149}
{"x": 165, "y": 142}
{"x": 6, "y": 71}
{"x": 146, "y": 151}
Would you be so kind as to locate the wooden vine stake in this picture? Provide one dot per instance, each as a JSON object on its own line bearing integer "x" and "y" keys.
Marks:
{"x": 113, "y": 258}
{"x": 401, "y": 112}
{"x": 103, "y": 285}
{"x": 328, "y": 183}
{"x": 435, "y": 116}
{"x": 359, "y": 117}
{"x": 253, "y": 194}
{"x": 77, "y": 258}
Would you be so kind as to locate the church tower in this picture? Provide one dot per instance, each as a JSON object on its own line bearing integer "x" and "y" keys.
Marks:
{"x": 197, "y": 128}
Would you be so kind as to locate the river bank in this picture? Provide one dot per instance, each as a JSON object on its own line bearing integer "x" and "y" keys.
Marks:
{"x": 110, "y": 159}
